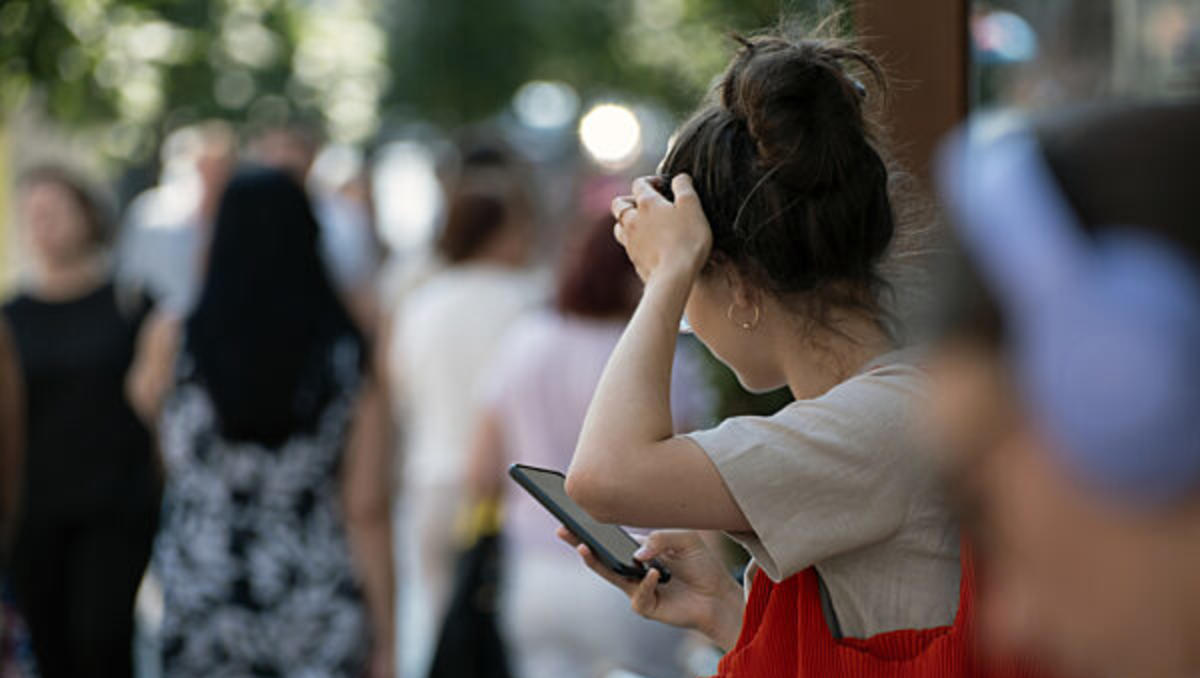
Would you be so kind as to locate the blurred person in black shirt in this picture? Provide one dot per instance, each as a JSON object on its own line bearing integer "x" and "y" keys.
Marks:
{"x": 89, "y": 484}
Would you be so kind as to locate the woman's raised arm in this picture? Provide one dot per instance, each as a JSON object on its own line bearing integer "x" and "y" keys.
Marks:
{"x": 629, "y": 466}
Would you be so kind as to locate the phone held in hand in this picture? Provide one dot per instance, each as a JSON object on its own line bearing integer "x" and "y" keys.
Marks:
{"x": 612, "y": 546}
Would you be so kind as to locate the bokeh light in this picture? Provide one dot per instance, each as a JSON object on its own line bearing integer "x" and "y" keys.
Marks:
{"x": 408, "y": 196}
{"x": 546, "y": 105}
{"x": 611, "y": 134}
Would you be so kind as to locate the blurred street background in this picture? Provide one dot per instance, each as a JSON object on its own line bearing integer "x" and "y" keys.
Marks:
{"x": 383, "y": 109}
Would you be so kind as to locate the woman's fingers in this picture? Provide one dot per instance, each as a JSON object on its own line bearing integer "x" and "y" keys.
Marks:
{"x": 666, "y": 542}
{"x": 646, "y": 195}
{"x": 644, "y": 598}
{"x": 683, "y": 187}
{"x": 622, "y": 204}
{"x": 594, "y": 564}
{"x": 619, "y": 233}
{"x": 567, "y": 536}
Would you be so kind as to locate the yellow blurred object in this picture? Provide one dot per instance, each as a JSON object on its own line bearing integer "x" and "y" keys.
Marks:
{"x": 480, "y": 519}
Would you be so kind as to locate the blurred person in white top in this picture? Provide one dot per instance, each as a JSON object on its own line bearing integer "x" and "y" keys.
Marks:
{"x": 536, "y": 395}
{"x": 167, "y": 227}
{"x": 440, "y": 340}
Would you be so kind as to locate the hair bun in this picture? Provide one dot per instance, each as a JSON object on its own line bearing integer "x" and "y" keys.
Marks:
{"x": 785, "y": 92}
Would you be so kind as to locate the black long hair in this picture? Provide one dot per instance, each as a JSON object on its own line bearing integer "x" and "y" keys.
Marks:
{"x": 268, "y": 317}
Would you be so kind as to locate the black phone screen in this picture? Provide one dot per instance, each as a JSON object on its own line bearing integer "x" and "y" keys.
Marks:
{"x": 552, "y": 486}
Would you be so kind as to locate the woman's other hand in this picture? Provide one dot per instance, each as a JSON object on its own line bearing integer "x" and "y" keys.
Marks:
{"x": 660, "y": 235}
{"x": 700, "y": 595}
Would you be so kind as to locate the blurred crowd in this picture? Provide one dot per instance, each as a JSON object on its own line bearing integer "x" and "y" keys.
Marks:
{"x": 239, "y": 437}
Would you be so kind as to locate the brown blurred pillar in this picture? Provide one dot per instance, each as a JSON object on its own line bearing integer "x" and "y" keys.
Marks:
{"x": 923, "y": 43}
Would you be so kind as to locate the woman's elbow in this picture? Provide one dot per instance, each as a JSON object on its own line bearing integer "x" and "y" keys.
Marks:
{"x": 595, "y": 492}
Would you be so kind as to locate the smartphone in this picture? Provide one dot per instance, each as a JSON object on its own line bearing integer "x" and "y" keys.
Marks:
{"x": 611, "y": 545}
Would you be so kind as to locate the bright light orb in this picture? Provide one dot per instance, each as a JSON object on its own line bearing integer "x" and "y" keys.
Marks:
{"x": 611, "y": 134}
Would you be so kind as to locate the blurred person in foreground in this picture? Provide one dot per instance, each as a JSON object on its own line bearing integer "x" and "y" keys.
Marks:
{"x": 87, "y": 487}
{"x": 347, "y": 239}
{"x": 274, "y": 553}
{"x": 441, "y": 339}
{"x": 544, "y": 373}
{"x": 1069, "y": 384}
{"x": 167, "y": 228}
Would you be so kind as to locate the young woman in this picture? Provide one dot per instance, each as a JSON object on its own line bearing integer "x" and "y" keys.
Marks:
{"x": 88, "y": 486}
{"x": 1069, "y": 385}
{"x": 274, "y": 554}
{"x": 772, "y": 245}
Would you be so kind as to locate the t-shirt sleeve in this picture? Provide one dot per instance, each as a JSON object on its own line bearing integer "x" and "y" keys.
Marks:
{"x": 822, "y": 477}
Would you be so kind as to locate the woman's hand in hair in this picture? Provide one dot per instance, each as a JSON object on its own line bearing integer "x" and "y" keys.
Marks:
{"x": 700, "y": 595}
{"x": 661, "y": 236}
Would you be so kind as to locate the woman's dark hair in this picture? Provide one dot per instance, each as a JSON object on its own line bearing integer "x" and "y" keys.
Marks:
{"x": 96, "y": 214}
{"x": 1130, "y": 165}
{"x": 784, "y": 158}
{"x": 595, "y": 277}
{"x": 268, "y": 317}
{"x": 472, "y": 220}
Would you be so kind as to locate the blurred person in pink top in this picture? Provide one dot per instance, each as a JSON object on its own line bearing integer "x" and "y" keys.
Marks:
{"x": 534, "y": 400}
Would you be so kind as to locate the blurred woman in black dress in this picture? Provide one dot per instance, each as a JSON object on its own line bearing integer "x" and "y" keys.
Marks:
{"x": 88, "y": 486}
{"x": 275, "y": 547}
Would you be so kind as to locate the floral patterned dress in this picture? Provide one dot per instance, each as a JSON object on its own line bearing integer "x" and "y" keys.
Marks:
{"x": 252, "y": 551}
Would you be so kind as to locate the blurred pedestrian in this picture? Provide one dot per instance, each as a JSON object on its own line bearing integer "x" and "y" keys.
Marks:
{"x": 1069, "y": 383}
{"x": 542, "y": 379}
{"x": 442, "y": 339}
{"x": 89, "y": 482}
{"x": 274, "y": 554}
{"x": 167, "y": 228}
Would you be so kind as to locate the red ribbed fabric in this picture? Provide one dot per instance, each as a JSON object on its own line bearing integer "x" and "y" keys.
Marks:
{"x": 784, "y": 635}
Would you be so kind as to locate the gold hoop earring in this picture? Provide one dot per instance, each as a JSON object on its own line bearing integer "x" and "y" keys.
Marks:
{"x": 745, "y": 325}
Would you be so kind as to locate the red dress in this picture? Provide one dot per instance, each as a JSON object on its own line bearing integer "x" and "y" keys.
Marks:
{"x": 784, "y": 635}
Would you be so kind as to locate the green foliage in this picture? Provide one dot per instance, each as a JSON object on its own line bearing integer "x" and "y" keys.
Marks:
{"x": 140, "y": 67}
{"x": 459, "y": 60}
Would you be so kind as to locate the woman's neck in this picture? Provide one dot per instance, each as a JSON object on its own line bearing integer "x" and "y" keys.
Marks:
{"x": 833, "y": 354}
{"x": 61, "y": 282}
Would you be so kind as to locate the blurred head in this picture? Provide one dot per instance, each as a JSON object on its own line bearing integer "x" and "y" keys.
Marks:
{"x": 65, "y": 221}
{"x": 595, "y": 277}
{"x": 291, "y": 148}
{"x": 784, "y": 161}
{"x": 215, "y": 155}
{"x": 268, "y": 316}
{"x": 488, "y": 216}
{"x": 1080, "y": 477}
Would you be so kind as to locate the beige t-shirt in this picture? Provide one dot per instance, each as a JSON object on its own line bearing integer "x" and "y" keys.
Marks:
{"x": 841, "y": 482}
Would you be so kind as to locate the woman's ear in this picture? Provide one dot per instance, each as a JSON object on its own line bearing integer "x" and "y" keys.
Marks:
{"x": 742, "y": 292}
